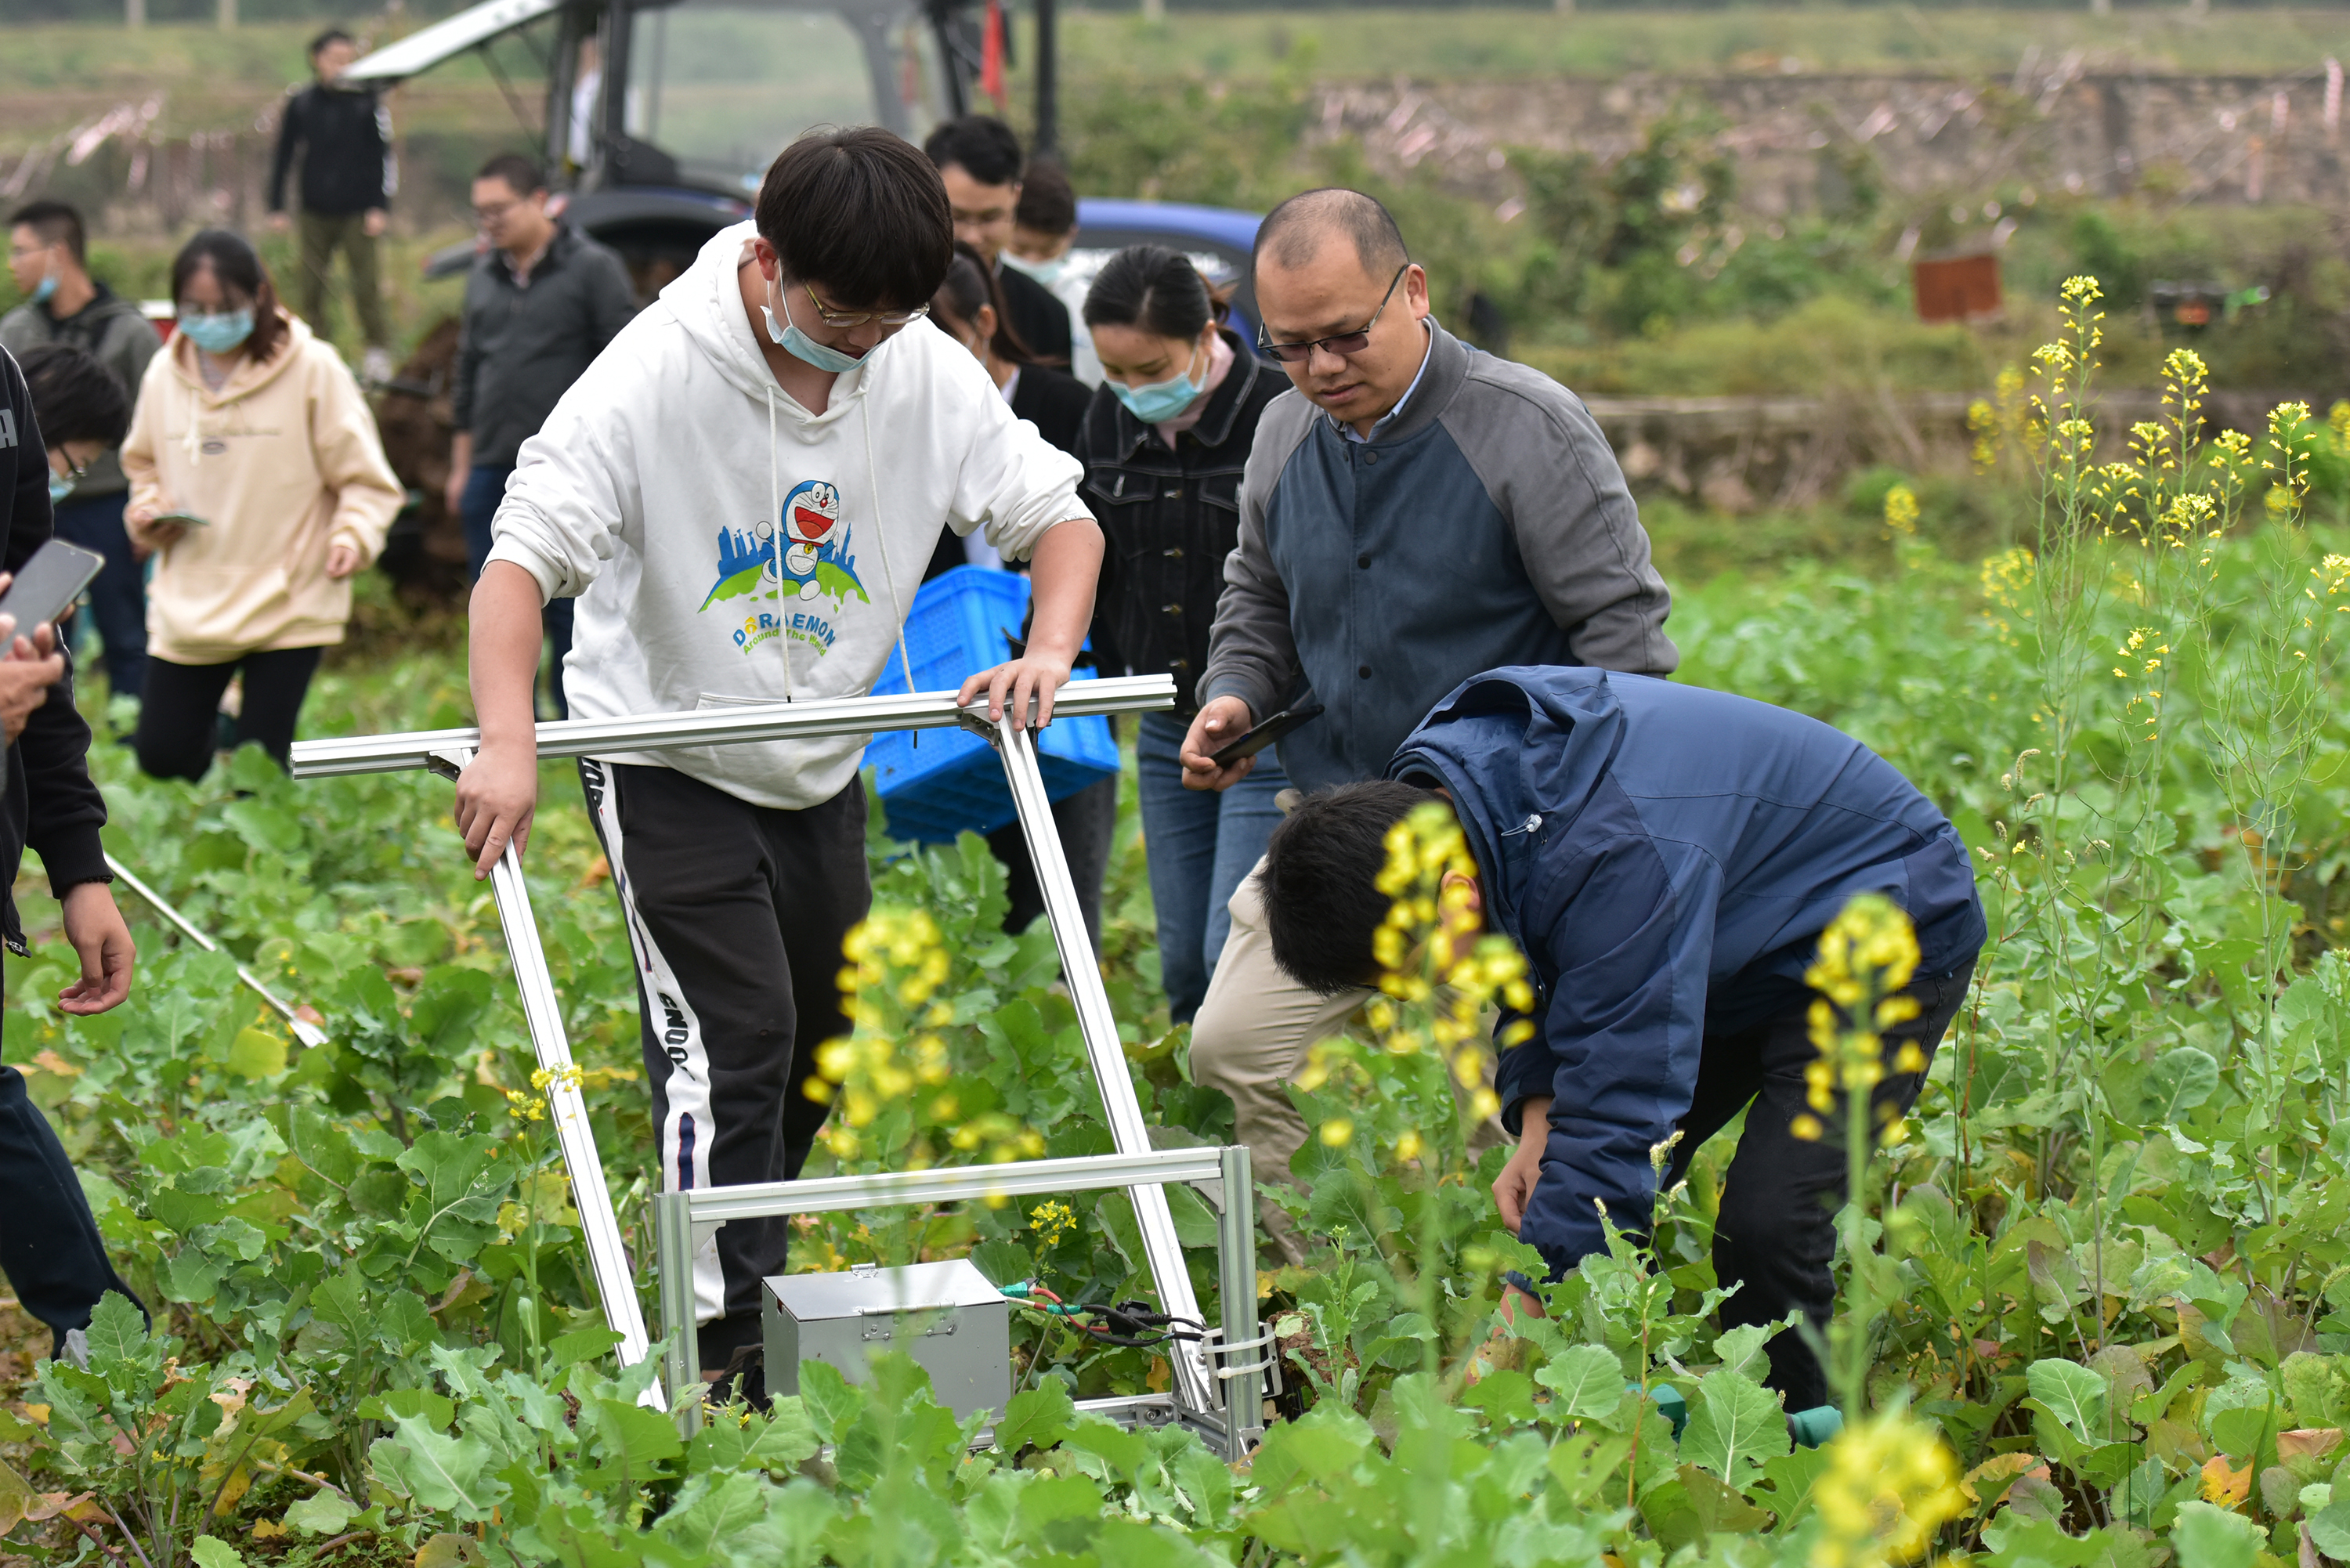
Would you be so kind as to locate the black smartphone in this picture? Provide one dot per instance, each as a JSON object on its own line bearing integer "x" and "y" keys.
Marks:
{"x": 48, "y": 583}
{"x": 1263, "y": 735}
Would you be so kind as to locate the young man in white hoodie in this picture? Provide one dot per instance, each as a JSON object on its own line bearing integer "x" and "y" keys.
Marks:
{"x": 742, "y": 493}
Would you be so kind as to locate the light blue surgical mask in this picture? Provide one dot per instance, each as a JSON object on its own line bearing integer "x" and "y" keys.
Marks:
{"x": 45, "y": 289}
{"x": 1047, "y": 273}
{"x": 1160, "y": 401}
{"x": 218, "y": 334}
{"x": 60, "y": 486}
{"x": 799, "y": 345}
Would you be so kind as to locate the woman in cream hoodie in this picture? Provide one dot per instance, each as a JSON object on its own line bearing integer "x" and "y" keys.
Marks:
{"x": 252, "y": 425}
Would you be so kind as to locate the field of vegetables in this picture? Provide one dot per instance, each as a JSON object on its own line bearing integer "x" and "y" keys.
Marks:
{"x": 2095, "y": 1305}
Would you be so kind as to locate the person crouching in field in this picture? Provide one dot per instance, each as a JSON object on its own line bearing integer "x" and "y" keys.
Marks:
{"x": 742, "y": 493}
{"x": 1667, "y": 857}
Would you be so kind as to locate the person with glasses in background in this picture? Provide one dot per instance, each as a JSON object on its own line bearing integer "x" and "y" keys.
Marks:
{"x": 1167, "y": 438}
{"x": 969, "y": 308}
{"x": 742, "y": 492}
{"x": 48, "y": 254}
{"x": 1414, "y": 511}
{"x": 259, "y": 485}
{"x": 978, "y": 158}
{"x": 541, "y": 303}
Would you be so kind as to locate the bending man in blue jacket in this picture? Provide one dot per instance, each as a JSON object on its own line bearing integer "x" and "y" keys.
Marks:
{"x": 1667, "y": 857}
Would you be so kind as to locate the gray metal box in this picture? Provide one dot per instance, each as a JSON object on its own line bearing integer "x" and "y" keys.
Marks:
{"x": 945, "y": 1315}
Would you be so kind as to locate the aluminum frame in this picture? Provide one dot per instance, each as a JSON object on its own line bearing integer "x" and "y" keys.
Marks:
{"x": 1208, "y": 1383}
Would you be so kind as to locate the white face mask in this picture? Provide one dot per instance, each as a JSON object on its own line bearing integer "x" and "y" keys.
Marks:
{"x": 1045, "y": 272}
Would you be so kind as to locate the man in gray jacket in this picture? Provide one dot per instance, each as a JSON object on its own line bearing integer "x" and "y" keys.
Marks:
{"x": 1413, "y": 512}
{"x": 46, "y": 252}
{"x": 541, "y": 303}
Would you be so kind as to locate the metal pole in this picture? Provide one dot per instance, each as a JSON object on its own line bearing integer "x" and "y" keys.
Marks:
{"x": 1082, "y": 975}
{"x": 1236, "y": 1286}
{"x": 567, "y": 1108}
{"x": 673, "y": 1251}
{"x": 1048, "y": 80}
{"x": 304, "y": 1030}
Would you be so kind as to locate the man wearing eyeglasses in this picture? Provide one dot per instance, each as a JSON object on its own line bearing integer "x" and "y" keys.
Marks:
{"x": 1418, "y": 512}
{"x": 742, "y": 492}
{"x": 541, "y": 302}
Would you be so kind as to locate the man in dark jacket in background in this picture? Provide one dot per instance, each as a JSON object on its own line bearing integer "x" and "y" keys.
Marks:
{"x": 50, "y": 1243}
{"x": 978, "y": 157}
{"x": 1667, "y": 857}
{"x": 348, "y": 179}
{"x": 1413, "y": 512}
{"x": 47, "y": 252}
{"x": 540, "y": 304}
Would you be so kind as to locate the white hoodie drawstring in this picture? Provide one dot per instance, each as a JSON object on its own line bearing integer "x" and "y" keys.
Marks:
{"x": 889, "y": 576}
{"x": 776, "y": 542}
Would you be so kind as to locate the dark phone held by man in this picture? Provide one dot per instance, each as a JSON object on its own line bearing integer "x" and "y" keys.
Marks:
{"x": 48, "y": 584}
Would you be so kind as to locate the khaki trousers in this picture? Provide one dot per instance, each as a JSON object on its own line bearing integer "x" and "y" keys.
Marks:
{"x": 1250, "y": 1038}
{"x": 322, "y": 236}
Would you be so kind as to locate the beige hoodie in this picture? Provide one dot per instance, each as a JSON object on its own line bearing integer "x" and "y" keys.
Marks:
{"x": 282, "y": 462}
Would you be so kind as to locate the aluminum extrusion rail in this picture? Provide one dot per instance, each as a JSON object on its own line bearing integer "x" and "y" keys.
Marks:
{"x": 723, "y": 726}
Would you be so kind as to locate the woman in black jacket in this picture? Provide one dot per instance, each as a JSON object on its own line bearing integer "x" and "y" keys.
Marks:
{"x": 969, "y": 307}
{"x": 1165, "y": 442}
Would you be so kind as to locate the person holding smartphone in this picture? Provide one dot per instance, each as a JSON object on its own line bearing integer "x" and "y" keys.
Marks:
{"x": 259, "y": 483}
{"x": 49, "y": 1242}
{"x": 1165, "y": 443}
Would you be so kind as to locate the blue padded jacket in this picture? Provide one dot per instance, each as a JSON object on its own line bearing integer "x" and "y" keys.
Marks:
{"x": 1667, "y": 857}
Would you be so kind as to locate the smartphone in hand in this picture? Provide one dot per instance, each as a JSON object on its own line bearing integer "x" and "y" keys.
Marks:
{"x": 1263, "y": 735}
{"x": 47, "y": 585}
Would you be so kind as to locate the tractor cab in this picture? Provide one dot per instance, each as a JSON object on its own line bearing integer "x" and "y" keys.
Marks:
{"x": 660, "y": 116}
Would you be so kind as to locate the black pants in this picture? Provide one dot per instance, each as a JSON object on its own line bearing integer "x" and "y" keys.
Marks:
{"x": 179, "y": 722}
{"x": 117, "y": 594}
{"x": 736, "y": 915}
{"x": 50, "y": 1245}
{"x": 1088, "y": 823}
{"x": 1775, "y": 1235}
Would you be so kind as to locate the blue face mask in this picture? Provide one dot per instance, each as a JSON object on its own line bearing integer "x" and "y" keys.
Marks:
{"x": 1160, "y": 401}
{"x": 44, "y": 289}
{"x": 218, "y": 334}
{"x": 60, "y": 486}
{"x": 800, "y": 345}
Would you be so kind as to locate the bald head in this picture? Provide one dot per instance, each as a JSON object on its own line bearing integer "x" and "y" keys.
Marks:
{"x": 1294, "y": 234}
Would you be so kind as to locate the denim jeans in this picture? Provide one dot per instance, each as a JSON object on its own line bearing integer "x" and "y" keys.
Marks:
{"x": 485, "y": 486}
{"x": 117, "y": 594}
{"x": 1200, "y": 845}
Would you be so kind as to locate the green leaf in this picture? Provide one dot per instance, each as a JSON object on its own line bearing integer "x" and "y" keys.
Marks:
{"x": 435, "y": 1410}
{"x": 121, "y": 1350}
{"x": 2210, "y": 1537}
{"x": 1720, "y": 1511}
{"x": 16, "y": 1496}
{"x": 2074, "y": 1395}
{"x": 255, "y": 1053}
{"x": 321, "y": 1513}
{"x": 631, "y": 1441}
{"x": 1737, "y": 1426}
{"x": 2330, "y": 1528}
{"x": 445, "y": 1474}
{"x": 210, "y": 1553}
{"x": 581, "y": 1345}
{"x": 1036, "y": 1417}
{"x": 1587, "y": 1380}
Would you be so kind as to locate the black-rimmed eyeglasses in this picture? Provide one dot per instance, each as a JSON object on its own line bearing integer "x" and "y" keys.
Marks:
{"x": 1344, "y": 344}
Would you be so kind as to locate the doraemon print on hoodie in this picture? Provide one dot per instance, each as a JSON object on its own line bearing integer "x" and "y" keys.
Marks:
{"x": 727, "y": 546}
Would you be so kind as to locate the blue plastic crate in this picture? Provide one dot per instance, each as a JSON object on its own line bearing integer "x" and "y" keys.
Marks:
{"x": 953, "y": 781}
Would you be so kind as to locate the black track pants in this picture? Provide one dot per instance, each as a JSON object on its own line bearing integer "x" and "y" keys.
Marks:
{"x": 1775, "y": 1234}
{"x": 50, "y": 1245}
{"x": 736, "y": 915}
{"x": 179, "y": 716}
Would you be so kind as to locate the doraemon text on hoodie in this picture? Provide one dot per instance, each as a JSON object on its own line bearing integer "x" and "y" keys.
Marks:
{"x": 729, "y": 547}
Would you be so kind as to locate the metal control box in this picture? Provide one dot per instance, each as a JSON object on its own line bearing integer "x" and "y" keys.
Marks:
{"x": 945, "y": 1315}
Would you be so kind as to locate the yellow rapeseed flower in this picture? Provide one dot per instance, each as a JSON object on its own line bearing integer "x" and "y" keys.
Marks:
{"x": 1890, "y": 1483}
{"x": 1901, "y": 510}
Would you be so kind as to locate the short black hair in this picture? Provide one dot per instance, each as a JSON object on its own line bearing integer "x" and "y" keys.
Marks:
{"x": 968, "y": 286}
{"x": 53, "y": 221}
{"x": 1294, "y": 231}
{"x": 523, "y": 175}
{"x": 1048, "y": 203}
{"x": 331, "y": 36}
{"x": 75, "y": 398}
{"x": 1154, "y": 288}
{"x": 1320, "y": 881}
{"x": 862, "y": 212}
{"x": 987, "y": 149}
